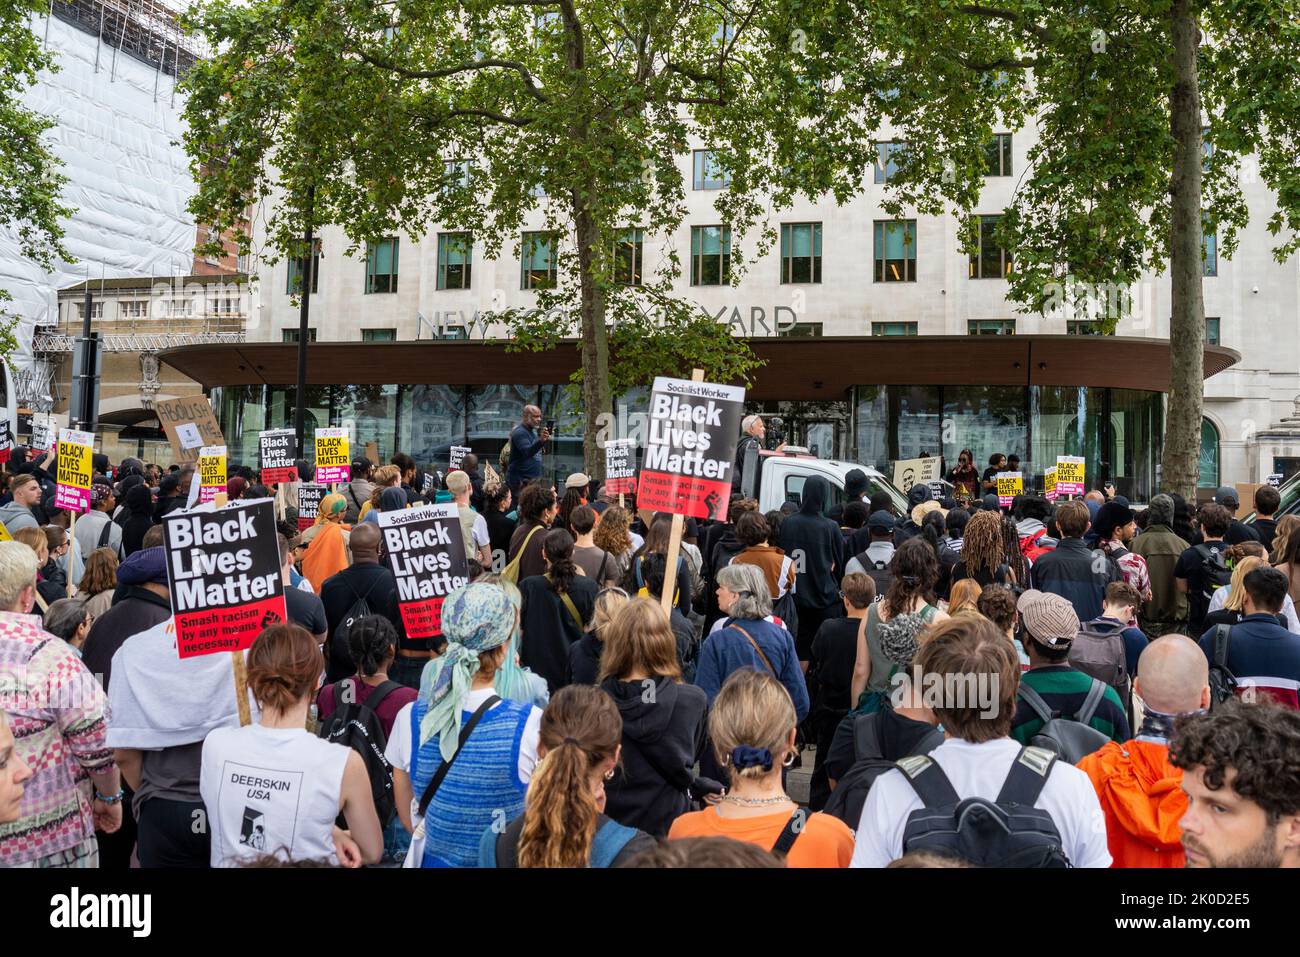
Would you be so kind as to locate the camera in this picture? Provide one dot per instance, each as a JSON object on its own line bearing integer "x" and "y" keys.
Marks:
{"x": 775, "y": 432}
{"x": 550, "y": 426}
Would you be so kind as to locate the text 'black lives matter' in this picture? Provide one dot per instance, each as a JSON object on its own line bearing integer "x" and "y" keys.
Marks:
{"x": 223, "y": 572}
{"x": 691, "y": 449}
{"x": 277, "y": 449}
{"x": 425, "y": 550}
{"x": 309, "y": 496}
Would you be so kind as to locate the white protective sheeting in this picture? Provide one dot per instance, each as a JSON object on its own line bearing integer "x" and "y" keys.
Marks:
{"x": 127, "y": 183}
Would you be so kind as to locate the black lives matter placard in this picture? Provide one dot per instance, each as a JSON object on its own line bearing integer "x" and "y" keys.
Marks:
{"x": 425, "y": 550}
{"x": 309, "y": 496}
{"x": 691, "y": 449}
{"x": 277, "y": 448}
{"x": 620, "y": 466}
{"x": 223, "y": 572}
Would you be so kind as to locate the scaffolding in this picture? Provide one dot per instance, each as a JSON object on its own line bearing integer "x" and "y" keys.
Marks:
{"x": 146, "y": 30}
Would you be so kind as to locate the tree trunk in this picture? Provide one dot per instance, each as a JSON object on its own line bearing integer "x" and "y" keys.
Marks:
{"x": 595, "y": 345}
{"x": 1182, "y": 447}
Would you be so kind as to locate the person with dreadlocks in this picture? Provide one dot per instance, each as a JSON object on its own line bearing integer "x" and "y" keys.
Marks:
{"x": 1016, "y": 562}
{"x": 983, "y": 552}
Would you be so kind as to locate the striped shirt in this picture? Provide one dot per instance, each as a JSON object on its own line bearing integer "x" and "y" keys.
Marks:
{"x": 57, "y": 713}
{"x": 1264, "y": 658}
{"x": 1065, "y": 690}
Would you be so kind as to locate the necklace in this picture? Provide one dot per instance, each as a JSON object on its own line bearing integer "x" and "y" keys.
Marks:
{"x": 757, "y": 802}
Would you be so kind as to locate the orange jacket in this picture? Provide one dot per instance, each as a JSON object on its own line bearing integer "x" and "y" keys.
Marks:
{"x": 1143, "y": 800}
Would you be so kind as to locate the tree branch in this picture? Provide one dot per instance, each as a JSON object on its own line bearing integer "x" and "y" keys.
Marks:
{"x": 1044, "y": 34}
{"x": 530, "y": 82}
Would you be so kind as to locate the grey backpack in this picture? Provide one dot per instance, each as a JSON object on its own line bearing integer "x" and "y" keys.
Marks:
{"x": 1069, "y": 738}
{"x": 1098, "y": 650}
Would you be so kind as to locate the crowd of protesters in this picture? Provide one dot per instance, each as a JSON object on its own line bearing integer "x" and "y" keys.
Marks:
{"x": 1132, "y": 675}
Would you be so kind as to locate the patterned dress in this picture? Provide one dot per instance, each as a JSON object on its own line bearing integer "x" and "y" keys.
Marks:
{"x": 57, "y": 712}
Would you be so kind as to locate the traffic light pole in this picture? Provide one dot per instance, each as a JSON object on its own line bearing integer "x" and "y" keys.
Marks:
{"x": 308, "y": 269}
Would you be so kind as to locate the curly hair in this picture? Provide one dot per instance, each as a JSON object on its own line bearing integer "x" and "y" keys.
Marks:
{"x": 611, "y": 532}
{"x": 982, "y": 549}
{"x": 581, "y": 729}
{"x": 1260, "y": 742}
{"x": 1011, "y": 555}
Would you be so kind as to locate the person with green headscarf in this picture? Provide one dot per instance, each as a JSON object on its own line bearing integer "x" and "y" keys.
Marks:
{"x": 494, "y": 763}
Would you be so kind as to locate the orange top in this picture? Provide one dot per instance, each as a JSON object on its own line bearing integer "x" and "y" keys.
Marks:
{"x": 826, "y": 841}
{"x": 1142, "y": 797}
{"x": 326, "y": 555}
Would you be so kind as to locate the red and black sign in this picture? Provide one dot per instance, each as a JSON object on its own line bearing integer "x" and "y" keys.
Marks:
{"x": 425, "y": 550}
{"x": 309, "y": 496}
{"x": 620, "y": 467}
{"x": 277, "y": 449}
{"x": 691, "y": 450}
{"x": 223, "y": 572}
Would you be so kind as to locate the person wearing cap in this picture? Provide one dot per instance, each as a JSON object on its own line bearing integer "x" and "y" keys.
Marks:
{"x": 1050, "y": 626}
{"x": 1238, "y": 531}
{"x": 855, "y": 490}
{"x": 874, "y": 559}
{"x": 173, "y": 492}
{"x": 359, "y": 489}
{"x": 1072, "y": 569}
{"x": 575, "y": 494}
{"x": 96, "y": 529}
{"x": 473, "y": 526}
{"x": 490, "y": 775}
{"x": 1116, "y": 527}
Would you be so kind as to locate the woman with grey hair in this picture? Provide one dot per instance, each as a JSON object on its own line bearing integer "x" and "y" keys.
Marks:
{"x": 748, "y": 637}
{"x": 69, "y": 619}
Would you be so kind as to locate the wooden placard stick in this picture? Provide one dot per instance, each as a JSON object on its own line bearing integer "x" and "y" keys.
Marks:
{"x": 220, "y": 500}
{"x": 675, "y": 543}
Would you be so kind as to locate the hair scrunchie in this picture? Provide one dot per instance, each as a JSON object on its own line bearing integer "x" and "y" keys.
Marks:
{"x": 746, "y": 757}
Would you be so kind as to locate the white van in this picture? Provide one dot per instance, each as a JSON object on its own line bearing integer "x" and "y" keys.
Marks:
{"x": 775, "y": 478}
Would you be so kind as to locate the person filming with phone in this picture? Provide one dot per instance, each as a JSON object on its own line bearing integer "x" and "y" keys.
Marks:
{"x": 526, "y": 444}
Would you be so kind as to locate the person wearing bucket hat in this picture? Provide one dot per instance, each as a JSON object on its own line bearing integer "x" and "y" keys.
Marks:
{"x": 910, "y": 527}
{"x": 1049, "y": 626}
{"x": 460, "y": 720}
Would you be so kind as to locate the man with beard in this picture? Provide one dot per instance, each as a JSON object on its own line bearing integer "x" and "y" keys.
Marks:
{"x": 1241, "y": 774}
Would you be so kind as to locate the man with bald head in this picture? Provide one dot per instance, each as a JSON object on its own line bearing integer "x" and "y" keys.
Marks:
{"x": 1140, "y": 790}
{"x": 366, "y": 580}
{"x": 526, "y": 444}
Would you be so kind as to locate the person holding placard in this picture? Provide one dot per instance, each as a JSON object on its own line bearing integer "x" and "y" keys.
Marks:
{"x": 274, "y": 788}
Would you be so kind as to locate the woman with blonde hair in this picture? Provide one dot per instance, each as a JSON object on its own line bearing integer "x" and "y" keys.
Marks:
{"x": 964, "y": 596}
{"x": 1286, "y": 525}
{"x": 564, "y": 822}
{"x": 47, "y": 592}
{"x": 384, "y": 477}
{"x": 584, "y": 654}
{"x": 328, "y": 551}
{"x": 613, "y": 535}
{"x": 752, "y": 727}
{"x": 98, "y": 581}
{"x": 1228, "y": 604}
{"x": 663, "y": 720}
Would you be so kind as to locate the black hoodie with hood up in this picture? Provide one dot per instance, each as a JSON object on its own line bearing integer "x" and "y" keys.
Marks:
{"x": 818, "y": 538}
{"x": 663, "y": 737}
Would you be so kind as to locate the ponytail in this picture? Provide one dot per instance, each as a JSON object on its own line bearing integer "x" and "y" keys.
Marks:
{"x": 581, "y": 729}
{"x": 557, "y": 547}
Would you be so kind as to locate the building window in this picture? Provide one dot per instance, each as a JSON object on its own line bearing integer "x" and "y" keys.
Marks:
{"x": 297, "y": 264}
{"x": 538, "y": 261}
{"x": 802, "y": 330}
{"x": 133, "y": 308}
{"x": 893, "y": 329}
{"x": 1211, "y": 330}
{"x": 381, "y": 266}
{"x": 456, "y": 173}
{"x": 708, "y": 174}
{"x": 378, "y": 335}
{"x": 1209, "y": 251}
{"x": 895, "y": 243}
{"x": 629, "y": 252}
{"x": 291, "y": 335}
{"x": 887, "y": 157}
{"x": 96, "y": 310}
{"x": 455, "y": 251}
{"x": 1083, "y": 327}
{"x": 1209, "y": 471}
{"x": 997, "y": 155}
{"x": 989, "y": 261}
{"x": 710, "y": 255}
{"x": 991, "y": 327}
{"x": 226, "y": 306}
{"x": 801, "y": 252}
{"x": 179, "y": 308}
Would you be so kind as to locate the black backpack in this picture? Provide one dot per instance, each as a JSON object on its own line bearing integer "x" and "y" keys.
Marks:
{"x": 1214, "y": 571}
{"x": 869, "y": 763}
{"x": 340, "y": 663}
{"x": 1070, "y": 738}
{"x": 1223, "y": 683}
{"x": 1006, "y": 832}
{"x": 878, "y": 571}
{"x": 357, "y": 726}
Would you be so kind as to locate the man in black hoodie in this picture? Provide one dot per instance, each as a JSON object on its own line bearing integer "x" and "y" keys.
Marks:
{"x": 816, "y": 547}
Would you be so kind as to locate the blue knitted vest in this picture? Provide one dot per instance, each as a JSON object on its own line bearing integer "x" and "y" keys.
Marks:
{"x": 482, "y": 786}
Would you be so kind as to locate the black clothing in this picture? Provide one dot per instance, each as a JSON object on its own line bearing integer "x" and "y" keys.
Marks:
{"x": 306, "y": 609}
{"x": 816, "y": 540}
{"x": 500, "y": 528}
{"x": 340, "y": 592}
{"x": 584, "y": 660}
{"x": 1266, "y": 529}
{"x": 1239, "y": 532}
{"x": 743, "y": 447}
{"x": 136, "y": 609}
{"x": 532, "y": 563}
{"x": 830, "y": 674}
{"x": 168, "y": 837}
{"x": 663, "y": 737}
{"x": 898, "y": 737}
{"x": 476, "y": 490}
{"x": 549, "y": 628}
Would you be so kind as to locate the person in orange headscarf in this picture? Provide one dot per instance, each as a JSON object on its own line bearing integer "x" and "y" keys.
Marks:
{"x": 327, "y": 541}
